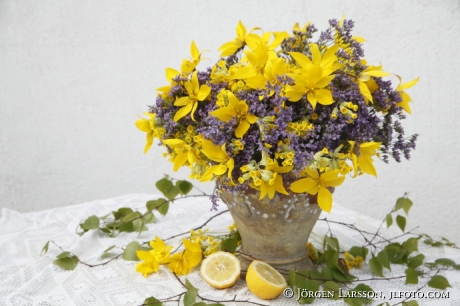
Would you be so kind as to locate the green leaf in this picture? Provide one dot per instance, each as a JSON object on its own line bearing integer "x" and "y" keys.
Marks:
{"x": 120, "y": 213}
{"x": 359, "y": 251}
{"x": 376, "y": 266}
{"x": 445, "y": 262}
{"x": 357, "y": 295}
{"x": 411, "y": 245}
{"x": 407, "y": 205}
{"x": 131, "y": 216}
{"x": 163, "y": 209}
{"x": 139, "y": 226}
{"x": 333, "y": 288}
{"x": 184, "y": 187}
{"x": 439, "y": 282}
{"x": 401, "y": 222}
{"x": 90, "y": 223}
{"x": 190, "y": 295}
{"x": 108, "y": 249}
{"x": 126, "y": 227}
{"x": 332, "y": 258}
{"x": 382, "y": 258}
{"x": 416, "y": 261}
{"x": 457, "y": 267}
{"x": 169, "y": 190}
{"x": 164, "y": 184}
{"x": 389, "y": 220}
{"x": 411, "y": 276}
{"x": 130, "y": 251}
{"x": 149, "y": 218}
{"x": 154, "y": 204}
{"x": 66, "y": 263}
{"x": 331, "y": 242}
{"x": 292, "y": 278}
{"x": 311, "y": 286}
{"x": 151, "y": 301}
{"x": 403, "y": 203}
{"x": 63, "y": 255}
{"x": 327, "y": 273}
{"x": 229, "y": 244}
{"x": 338, "y": 275}
{"x": 45, "y": 248}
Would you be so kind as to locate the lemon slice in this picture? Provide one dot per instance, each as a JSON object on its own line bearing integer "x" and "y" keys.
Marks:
{"x": 264, "y": 281}
{"x": 221, "y": 269}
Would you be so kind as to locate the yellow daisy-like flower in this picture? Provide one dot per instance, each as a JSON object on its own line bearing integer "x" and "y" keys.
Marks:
{"x": 183, "y": 262}
{"x": 149, "y": 265}
{"x": 238, "y": 109}
{"x": 190, "y": 103}
{"x": 317, "y": 184}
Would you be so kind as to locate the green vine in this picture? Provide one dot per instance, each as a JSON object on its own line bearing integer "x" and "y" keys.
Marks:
{"x": 332, "y": 277}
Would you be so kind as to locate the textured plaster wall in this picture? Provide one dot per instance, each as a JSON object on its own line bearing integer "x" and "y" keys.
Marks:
{"x": 75, "y": 74}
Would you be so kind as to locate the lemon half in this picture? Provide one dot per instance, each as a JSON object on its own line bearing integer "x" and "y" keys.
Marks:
{"x": 264, "y": 281}
{"x": 221, "y": 270}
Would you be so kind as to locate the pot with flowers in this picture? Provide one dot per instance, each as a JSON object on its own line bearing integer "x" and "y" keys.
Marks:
{"x": 279, "y": 122}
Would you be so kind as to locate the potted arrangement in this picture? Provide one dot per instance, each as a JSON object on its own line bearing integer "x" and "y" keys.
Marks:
{"x": 278, "y": 122}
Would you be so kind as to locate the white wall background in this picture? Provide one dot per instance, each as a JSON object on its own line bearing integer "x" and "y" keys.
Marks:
{"x": 75, "y": 74}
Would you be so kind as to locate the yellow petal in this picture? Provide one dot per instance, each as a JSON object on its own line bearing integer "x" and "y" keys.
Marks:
{"x": 303, "y": 60}
{"x": 171, "y": 74}
{"x": 251, "y": 118}
{"x": 149, "y": 141}
{"x": 324, "y": 199}
{"x": 173, "y": 143}
{"x": 182, "y": 112}
{"x": 224, "y": 113}
{"x": 179, "y": 161}
{"x": 304, "y": 185}
{"x": 313, "y": 173}
{"x": 365, "y": 91}
{"x": 143, "y": 125}
{"x": 324, "y": 96}
{"x": 366, "y": 165}
{"x": 312, "y": 99}
{"x": 145, "y": 255}
{"x": 279, "y": 185}
{"x": 203, "y": 93}
{"x": 242, "y": 128}
{"x": 257, "y": 81}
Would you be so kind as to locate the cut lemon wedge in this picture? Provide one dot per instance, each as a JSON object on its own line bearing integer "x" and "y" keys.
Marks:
{"x": 221, "y": 270}
{"x": 264, "y": 281}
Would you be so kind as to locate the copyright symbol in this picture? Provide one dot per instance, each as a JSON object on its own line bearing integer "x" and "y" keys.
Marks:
{"x": 288, "y": 292}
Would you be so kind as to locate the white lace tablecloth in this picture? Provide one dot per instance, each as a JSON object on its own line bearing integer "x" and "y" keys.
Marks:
{"x": 26, "y": 278}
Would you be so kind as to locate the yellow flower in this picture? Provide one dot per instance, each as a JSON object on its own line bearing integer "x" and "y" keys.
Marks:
{"x": 184, "y": 152}
{"x": 188, "y": 66}
{"x": 190, "y": 103}
{"x": 313, "y": 76}
{"x": 160, "y": 250}
{"x": 231, "y": 47}
{"x": 365, "y": 76}
{"x": 148, "y": 126}
{"x": 183, "y": 262}
{"x": 149, "y": 265}
{"x": 404, "y": 96}
{"x": 317, "y": 184}
{"x": 217, "y": 154}
{"x": 238, "y": 109}
{"x": 364, "y": 161}
{"x": 327, "y": 62}
{"x": 254, "y": 40}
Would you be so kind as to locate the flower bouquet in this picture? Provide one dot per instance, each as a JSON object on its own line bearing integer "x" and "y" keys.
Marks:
{"x": 281, "y": 113}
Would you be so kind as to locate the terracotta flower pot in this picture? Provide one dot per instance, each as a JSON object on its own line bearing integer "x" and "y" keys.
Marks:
{"x": 275, "y": 231}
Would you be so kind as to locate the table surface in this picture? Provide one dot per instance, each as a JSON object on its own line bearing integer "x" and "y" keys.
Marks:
{"x": 27, "y": 278}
